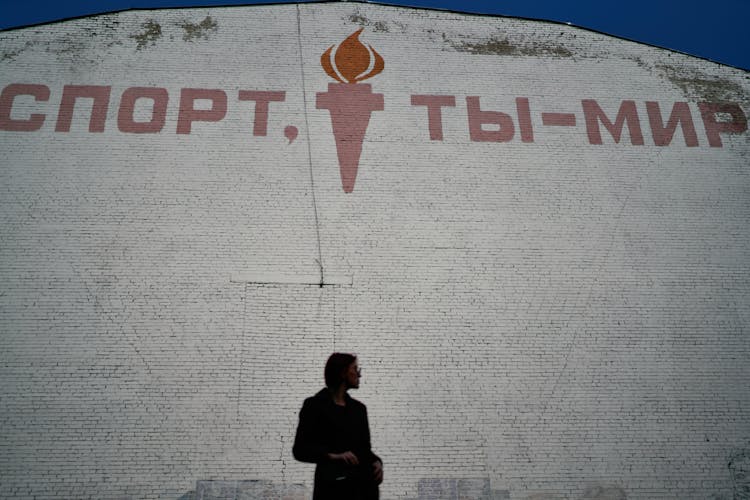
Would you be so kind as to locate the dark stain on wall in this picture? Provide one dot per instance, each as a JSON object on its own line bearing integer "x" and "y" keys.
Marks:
{"x": 200, "y": 30}
{"x": 604, "y": 492}
{"x": 247, "y": 489}
{"x": 69, "y": 44}
{"x": 99, "y": 31}
{"x": 503, "y": 47}
{"x": 106, "y": 31}
{"x": 450, "y": 488}
{"x": 151, "y": 32}
{"x": 699, "y": 86}
{"x": 492, "y": 46}
{"x": 9, "y": 55}
{"x": 739, "y": 468}
{"x": 379, "y": 26}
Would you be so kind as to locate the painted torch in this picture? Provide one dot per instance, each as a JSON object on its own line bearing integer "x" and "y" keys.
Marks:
{"x": 349, "y": 102}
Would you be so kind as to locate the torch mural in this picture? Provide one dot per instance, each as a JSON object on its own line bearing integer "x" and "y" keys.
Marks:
{"x": 349, "y": 102}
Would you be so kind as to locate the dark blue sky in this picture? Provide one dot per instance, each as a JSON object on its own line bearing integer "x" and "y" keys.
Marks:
{"x": 716, "y": 30}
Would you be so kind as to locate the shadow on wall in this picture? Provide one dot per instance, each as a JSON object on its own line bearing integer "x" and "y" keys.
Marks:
{"x": 427, "y": 489}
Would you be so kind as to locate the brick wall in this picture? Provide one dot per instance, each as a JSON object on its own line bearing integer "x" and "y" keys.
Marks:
{"x": 542, "y": 317}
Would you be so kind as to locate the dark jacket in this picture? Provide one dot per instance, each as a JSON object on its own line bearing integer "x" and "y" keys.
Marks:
{"x": 325, "y": 427}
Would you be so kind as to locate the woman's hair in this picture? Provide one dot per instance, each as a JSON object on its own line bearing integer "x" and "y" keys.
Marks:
{"x": 335, "y": 366}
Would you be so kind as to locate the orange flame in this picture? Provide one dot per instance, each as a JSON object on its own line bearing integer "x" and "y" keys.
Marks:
{"x": 352, "y": 60}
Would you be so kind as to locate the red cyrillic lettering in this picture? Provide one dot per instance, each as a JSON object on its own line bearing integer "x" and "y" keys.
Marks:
{"x": 125, "y": 120}
{"x": 627, "y": 113}
{"x": 434, "y": 104}
{"x": 714, "y": 128}
{"x": 680, "y": 115}
{"x": 188, "y": 114}
{"x": 524, "y": 119}
{"x": 261, "y": 98}
{"x": 35, "y": 120}
{"x": 477, "y": 118}
{"x": 100, "y": 95}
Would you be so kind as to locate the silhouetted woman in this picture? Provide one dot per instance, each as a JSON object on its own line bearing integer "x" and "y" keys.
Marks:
{"x": 333, "y": 433}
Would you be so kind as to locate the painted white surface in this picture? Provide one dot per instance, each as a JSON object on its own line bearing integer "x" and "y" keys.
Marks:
{"x": 555, "y": 316}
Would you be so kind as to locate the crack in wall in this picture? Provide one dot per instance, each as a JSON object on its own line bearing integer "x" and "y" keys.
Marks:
{"x": 615, "y": 229}
{"x": 98, "y": 307}
{"x": 319, "y": 260}
{"x": 242, "y": 349}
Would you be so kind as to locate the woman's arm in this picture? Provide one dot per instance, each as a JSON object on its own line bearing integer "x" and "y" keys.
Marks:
{"x": 307, "y": 445}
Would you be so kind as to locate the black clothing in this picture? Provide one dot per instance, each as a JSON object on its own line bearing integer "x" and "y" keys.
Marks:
{"x": 325, "y": 427}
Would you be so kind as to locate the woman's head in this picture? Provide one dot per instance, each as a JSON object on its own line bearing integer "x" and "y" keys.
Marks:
{"x": 341, "y": 367}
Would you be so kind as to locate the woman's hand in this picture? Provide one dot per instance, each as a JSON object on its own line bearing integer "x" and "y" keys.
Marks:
{"x": 347, "y": 457}
{"x": 377, "y": 471}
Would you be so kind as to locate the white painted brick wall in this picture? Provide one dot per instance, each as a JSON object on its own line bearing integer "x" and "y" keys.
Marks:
{"x": 564, "y": 319}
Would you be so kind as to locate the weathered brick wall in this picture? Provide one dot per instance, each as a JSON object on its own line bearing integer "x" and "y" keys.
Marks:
{"x": 541, "y": 317}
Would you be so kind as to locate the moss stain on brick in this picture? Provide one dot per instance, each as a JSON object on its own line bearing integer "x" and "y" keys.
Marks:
{"x": 378, "y": 26}
{"x": 150, "y": 34}
{"x": 493, "y": 46}
{"x": 359, "y": 19}
{"x": 503, "y": 47}
{"x": 703, "y": 87}
{"x": 199, "y": 30}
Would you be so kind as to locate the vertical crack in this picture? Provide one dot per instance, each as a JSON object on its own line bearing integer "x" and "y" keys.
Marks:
{"x": 281, "y": 459}
{"x": 319, "y": 260}
{"x": 242, "y": 350}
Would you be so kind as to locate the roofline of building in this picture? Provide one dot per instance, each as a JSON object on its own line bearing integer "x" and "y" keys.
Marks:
{"x": 373, "y": 2}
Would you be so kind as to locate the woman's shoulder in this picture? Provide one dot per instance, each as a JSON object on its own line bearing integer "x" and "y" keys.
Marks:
{"x": 355, "y": 403}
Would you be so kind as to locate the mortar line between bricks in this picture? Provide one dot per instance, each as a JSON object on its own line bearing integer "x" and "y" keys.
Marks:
{"x": 309, "y": 145}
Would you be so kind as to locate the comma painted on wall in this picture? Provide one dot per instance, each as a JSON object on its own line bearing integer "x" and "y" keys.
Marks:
{"x": 351, "y": 103}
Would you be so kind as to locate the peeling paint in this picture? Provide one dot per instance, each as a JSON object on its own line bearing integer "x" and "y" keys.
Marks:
{"x": 700, "y": 86}
{"x": 150, "y": 34}
{"x": 503, "y": 47}
{"x": 199, "y": 30}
